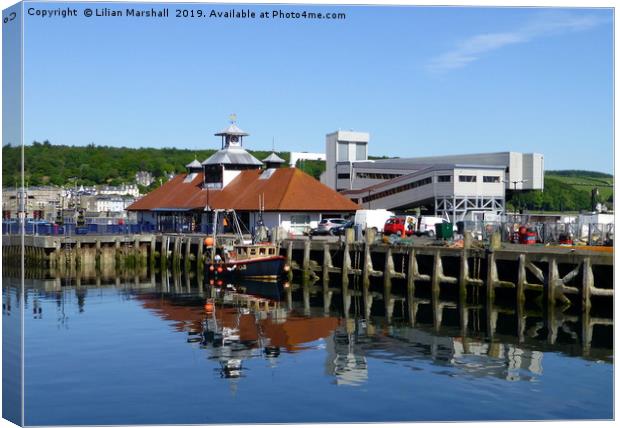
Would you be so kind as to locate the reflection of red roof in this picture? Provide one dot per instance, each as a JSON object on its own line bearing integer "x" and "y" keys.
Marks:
{"x": 289, "y": 334}
{"x": 181, "y": 315}
{"x": 287, "y": 189}
{"x": 295, "y": 331}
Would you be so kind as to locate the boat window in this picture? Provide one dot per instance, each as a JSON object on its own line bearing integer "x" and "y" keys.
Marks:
{"x": 272, "y": 251}
{"x": 252, "y": 251}
{"x": 261, "y": 251}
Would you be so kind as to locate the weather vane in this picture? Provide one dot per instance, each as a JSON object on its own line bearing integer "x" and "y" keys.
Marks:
{"x": 233, "y": 118}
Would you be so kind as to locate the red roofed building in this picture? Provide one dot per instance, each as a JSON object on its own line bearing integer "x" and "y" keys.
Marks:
{"x": 234, "y": 179}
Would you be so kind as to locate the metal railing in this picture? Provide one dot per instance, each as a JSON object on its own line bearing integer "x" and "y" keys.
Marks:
{"x": 546, "y": 233}
{"x": 70, "y": 229}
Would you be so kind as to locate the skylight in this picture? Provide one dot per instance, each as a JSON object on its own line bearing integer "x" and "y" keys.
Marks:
{"x": 266, "y": 175}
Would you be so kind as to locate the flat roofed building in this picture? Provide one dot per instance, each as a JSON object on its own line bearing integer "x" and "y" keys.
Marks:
{"x": 478, "y": 182}
{"x": 39, "y": 202}
{"x": 343, "y": 147}
{"x": 450, "y": 190}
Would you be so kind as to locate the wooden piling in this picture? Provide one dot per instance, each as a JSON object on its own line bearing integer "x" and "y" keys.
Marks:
{"x": 587, "y": 284}
{"x": 491, "y": 276}
{"x": 176, "y": 254}
{"x": 164, "y": 253}
{"x": 366, "y": 269}
{"x": 327, "y": 264}
{"x": 552, "y": 283}
{"x": 117, "y": 254}
{"x": 521, "y": 279}
{"x": 78, "y": 255}
{"x": 437, "y": 273}
{"x": 200, "y": 263}
{"x": 186, "y": 260}
{"x": 463, "y": 274}
{"x": 289, "y": 260}
{"x": 152, "y": 249}
{"x": 346, "y": 266}
{"x": 306, "y": 260}
{"x": 137, "y": 254}
{"x": 97, "y": 255}
{"x": 387, "y": 283}
{"x": 411, "y": 277}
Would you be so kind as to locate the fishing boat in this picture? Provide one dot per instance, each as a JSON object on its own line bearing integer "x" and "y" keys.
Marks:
{"x": 259, "y": 261}
{"x": 245, "y": 260}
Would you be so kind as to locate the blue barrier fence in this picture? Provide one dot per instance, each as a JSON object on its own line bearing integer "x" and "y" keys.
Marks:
{"x": 13, "y": 228}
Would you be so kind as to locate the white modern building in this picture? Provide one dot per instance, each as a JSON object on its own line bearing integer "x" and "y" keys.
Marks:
{"x": 453, "y": 186}
{"x": 345, "y": 148}
{"x": 124, "y": 189}
{"x": 105, "y": 204}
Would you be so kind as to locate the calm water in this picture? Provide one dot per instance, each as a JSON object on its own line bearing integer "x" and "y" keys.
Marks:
{"x": 143, "y": 352}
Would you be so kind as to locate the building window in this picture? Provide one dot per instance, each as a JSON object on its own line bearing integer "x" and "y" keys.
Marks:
{"x": 394, "y": 190}
{"x": 343, "y": 151}
{"x": 300, "y": 219}
{"x": 344, "y": 176}
{"x": 376, "y": 176}
{"x": 213, "y": 174}
{"x": 467, "y": 178}
{"x": 490, "y": 179}
{"x": 360, "y": 151}
{"x": 444, "y": 178}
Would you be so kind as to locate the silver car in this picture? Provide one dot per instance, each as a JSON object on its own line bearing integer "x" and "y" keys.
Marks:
{"x": 326, "y": 225}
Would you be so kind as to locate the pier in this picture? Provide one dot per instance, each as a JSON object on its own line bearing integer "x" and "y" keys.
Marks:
{"x": 560, "y": 276}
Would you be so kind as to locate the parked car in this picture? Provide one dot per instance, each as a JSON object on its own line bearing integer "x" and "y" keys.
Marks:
{"x": 341, "y": 230}
{"x": 326, "y": 225}
{"x": 426, "y": 225}
{"x": 372, "y": 219}
{"x": 398, "y": 225}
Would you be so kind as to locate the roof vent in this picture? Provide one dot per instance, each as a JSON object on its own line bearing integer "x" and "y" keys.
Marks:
{"x": 190, "y": 177}
{"x": 266, "y": 175}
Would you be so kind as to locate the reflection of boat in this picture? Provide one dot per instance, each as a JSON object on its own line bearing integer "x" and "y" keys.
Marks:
{"x": 232, "y": 333}
{"x": 244, "y": 260}
{"x": 270, "y": 290}
{"x": 240, "y": 326}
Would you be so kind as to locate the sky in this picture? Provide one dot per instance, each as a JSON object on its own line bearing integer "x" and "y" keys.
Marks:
{"x": 421, "y": 80}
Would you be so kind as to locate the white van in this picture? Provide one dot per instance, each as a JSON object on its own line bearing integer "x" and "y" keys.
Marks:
{"x": 426, "y": 225}
{"x": 372, "y": 219}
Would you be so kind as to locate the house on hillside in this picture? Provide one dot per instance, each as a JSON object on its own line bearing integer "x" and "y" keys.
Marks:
{"x": 234, "y": 179}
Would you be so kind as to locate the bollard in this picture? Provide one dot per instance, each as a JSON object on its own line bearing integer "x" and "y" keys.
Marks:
{"x": 371, "y": 235}
{"x": 496, "y": 241}
{"x": 467, "y": 240}
{"x": 349, "y": 235}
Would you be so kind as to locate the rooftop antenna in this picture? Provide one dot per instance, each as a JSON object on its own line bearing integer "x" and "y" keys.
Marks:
{"x": 273, "y": 144}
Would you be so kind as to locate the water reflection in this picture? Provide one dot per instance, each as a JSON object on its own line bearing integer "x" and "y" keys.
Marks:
{"x": 264, "y": 320}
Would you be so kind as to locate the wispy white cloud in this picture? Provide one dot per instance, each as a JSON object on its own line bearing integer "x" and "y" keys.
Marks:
{"x": 546, "y": 24}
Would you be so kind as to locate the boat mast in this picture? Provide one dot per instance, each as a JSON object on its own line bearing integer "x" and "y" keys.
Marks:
{"x": 214, "y": 235}
{"x": 237, "y": 226}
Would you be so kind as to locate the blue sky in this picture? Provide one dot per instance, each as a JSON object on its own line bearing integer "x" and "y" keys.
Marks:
{"x": 421, "y": 80}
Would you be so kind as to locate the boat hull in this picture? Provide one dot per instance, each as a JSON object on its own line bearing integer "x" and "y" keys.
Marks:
{"x": 261, "y": 269}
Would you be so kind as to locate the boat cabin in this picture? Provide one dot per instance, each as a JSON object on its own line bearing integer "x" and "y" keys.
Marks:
{"x": 255, "y": 251}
